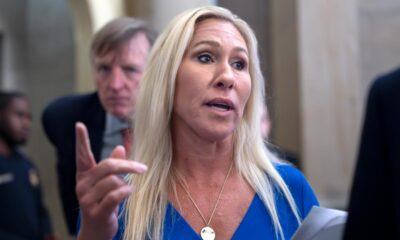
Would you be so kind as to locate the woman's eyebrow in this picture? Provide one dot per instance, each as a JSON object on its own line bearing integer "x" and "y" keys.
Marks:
{"x": 207, "y": 42}
{"x": 216, "y": 44}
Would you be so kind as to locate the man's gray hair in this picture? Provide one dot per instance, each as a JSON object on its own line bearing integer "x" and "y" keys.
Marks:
{"x": 118, "y": 31}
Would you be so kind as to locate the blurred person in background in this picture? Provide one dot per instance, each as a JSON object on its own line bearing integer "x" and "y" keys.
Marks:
{"x": 22, "y": 212}
{"x": 118, "y": 55}
{"x": 282, "y": 154}
{"x": 374, "y": 208}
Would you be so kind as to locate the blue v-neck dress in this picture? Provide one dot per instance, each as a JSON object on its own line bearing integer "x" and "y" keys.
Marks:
{"x": 257, "y": 223}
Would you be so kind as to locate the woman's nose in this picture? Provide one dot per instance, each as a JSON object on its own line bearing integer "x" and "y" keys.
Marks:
{"x": 225, "y": 79}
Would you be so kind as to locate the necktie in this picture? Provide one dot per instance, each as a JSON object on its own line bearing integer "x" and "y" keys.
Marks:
{"x": 127, "y": 138}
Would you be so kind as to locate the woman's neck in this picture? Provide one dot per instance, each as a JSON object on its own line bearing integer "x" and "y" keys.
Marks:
{"x": 201, "y": 159}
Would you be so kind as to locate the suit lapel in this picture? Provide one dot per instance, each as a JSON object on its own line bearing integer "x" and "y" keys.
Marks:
{"x": 95, "y": 119}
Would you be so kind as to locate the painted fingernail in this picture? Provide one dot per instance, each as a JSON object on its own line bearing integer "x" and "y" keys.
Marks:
{"x": 142, "y": 168}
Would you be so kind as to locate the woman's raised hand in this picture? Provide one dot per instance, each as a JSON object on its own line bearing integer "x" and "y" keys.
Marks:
{"x": 99, "y": 187}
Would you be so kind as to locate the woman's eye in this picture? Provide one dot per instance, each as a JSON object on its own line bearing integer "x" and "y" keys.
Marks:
{"x": 204, "y": 58}
{"x": 239, "y": 65}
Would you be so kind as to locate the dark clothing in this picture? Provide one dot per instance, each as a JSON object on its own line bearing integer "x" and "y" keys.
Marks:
{"x": 59, "y": 120}
{"x": 374, "y": 209}
{"x": 22, "y": 213}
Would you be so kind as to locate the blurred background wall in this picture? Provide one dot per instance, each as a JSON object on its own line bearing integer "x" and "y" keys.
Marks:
{"x": 319, "y": 58}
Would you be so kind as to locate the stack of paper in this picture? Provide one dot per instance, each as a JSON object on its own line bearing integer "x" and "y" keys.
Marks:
{"x": 322, "y": 224}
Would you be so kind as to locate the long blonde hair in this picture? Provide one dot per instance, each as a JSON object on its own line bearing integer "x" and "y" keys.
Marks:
{"x": 146, "y": 207}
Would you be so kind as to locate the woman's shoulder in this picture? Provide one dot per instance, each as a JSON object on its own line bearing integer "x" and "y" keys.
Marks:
{"x": 290, "y": 174}
{"x": 299, "y": 187}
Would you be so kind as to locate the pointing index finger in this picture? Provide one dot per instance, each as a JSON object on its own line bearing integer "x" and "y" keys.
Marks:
{"x": 84, "y": 156}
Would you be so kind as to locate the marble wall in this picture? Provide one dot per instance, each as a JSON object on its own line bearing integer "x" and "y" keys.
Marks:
{"x": 379, "y": 34}
{"x": 13, "y": 31}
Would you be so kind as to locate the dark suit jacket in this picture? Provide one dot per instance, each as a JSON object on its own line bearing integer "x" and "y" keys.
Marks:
{"x": 374, "y": 209}
{"x": 59, "y": 120}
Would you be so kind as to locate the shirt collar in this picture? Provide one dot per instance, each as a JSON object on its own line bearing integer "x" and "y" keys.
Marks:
{"x": 114, "y": 124}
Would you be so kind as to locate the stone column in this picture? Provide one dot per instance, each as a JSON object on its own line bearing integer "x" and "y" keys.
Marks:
{"x": 284, "y": 76}
{"x": 89, "y": 16}
{"x": 103, "y": 11}
{"x": 13, "y": 45}
{"x": 379, "y": 27}
{"x": 160, "y": 12}
{"x": 50, "y": 74}
{"x": 83, "y": 31}
{"x": 330, "y": 98}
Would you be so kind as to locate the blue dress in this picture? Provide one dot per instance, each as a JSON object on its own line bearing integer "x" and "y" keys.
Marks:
{"x": 257, "y": 223}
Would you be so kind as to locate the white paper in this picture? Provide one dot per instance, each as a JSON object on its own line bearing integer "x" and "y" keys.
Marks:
{"x": 322, "y": 224}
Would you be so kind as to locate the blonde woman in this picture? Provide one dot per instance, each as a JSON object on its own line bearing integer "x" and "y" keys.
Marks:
{"x": 201, "y": 170}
